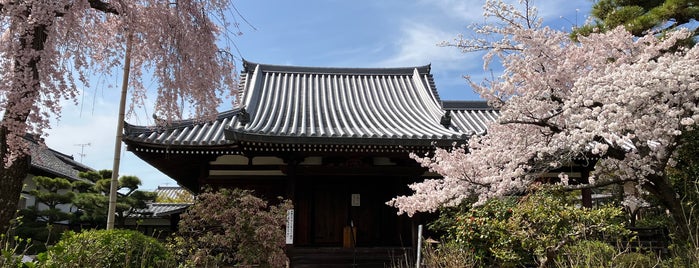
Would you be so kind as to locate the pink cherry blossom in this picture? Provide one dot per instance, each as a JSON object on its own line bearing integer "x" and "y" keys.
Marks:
{"x": 50, "y": 48}
{"x": 623, "y": 99}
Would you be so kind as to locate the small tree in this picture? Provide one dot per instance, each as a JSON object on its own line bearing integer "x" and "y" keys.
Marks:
{"x": 232, "y": 227}
{"x": 51, "y": 192}
{"x": 93, "y": 201}
{"x": 37, "y": 222}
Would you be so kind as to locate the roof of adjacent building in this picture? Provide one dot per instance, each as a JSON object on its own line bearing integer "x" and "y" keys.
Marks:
{"x": 160, "y": 210}
{"x": 320, "y": 105}
{"x": 173, "y": 193}
{"x": 54, "y": 162}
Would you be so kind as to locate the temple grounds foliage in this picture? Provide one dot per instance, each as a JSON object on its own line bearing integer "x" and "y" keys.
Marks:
{"x": 44, "y": 222}
{"x": 538, "y": 229}
{"x": 231, "y": 227}
{"x": 92, "y": 198}
{"x": 516, "y": 231}
{"x": 222, "y": 228}
{"x": 107, "y": 248}
{"x": 546, "y": 228}
{"x": 50, "y": 49}
{"x": 621, "y": 103}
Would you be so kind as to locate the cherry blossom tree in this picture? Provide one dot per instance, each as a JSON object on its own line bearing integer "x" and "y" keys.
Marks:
{"x": 617, "y": 101}
{"x": 50, "y": 48}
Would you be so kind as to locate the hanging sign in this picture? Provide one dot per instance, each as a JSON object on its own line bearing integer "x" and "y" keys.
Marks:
{"x": 290, "y": 227}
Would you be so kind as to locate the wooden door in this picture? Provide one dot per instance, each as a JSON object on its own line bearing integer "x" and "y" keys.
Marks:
{"x": 329, "y": 213}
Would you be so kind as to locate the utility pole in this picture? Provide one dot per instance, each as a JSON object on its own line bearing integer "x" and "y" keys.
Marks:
{"x": 111, "y": 214}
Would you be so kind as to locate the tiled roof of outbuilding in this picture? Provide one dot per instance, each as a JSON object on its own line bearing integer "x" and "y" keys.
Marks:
{"x": 173, "y": 193}
{"x": 54, "y": 162}
{"x": 160, "y": 210}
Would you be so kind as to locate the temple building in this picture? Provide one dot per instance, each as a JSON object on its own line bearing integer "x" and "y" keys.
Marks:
{"x": 336, "y": 141}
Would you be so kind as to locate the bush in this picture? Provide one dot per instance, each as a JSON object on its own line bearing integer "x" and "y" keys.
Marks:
{"x": 447, "y": 256}
{"x": 636, "y": 260}
{"x": 586, "y": 253}
{"x": 528, "y": 230}
{"x": 231, "y": 227}
{"x": 11, "y": 251}
{"x": 107, "y": 248}
{"x": 483, "y": 232}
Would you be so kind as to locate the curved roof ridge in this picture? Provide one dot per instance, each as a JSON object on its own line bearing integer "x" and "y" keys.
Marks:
{"x": 466, "y": 105}
{"x": 249, "y": 66}
{"x": 130, "y": 128}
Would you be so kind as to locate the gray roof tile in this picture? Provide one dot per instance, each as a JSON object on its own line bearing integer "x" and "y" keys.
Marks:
{"x": 329, "y": 105}
{"x": 160, "y": 210}
{"x": 54, "y": 162}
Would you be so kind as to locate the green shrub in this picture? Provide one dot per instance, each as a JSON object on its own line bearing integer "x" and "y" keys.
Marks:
{"x": 11, "y": 251}
{"x": 448, "y": 255}
{"x": 483, "y": 232}
{"x": 636, "y": 260}
{"x": 586, "y": 253}
{"x": 107, "y": 248}
{"x": 528, "y": 230}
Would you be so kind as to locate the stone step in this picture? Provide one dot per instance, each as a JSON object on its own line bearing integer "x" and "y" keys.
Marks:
{"x": 348, "y": 258}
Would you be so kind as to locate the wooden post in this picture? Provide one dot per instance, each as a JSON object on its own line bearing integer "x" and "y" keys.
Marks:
{"x": 586, "y": 194}
{"x": 111, "y": 214}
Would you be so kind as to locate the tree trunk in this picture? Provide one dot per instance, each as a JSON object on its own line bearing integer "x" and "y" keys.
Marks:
{"x": 11, "y": 183}
{"x": 661, "y": 187}
{"x": 24, "y": 90}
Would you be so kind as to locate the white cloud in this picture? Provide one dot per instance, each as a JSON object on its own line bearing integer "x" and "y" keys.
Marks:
{"x": 464, "y": 11}
{"x": 96, "y": 125}
{"x": 418, "y": 46}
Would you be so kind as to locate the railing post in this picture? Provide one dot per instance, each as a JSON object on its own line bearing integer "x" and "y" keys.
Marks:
{"x": 419, "y": 247}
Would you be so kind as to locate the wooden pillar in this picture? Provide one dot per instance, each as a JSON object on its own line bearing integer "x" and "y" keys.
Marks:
{"x": 586, "y": 193}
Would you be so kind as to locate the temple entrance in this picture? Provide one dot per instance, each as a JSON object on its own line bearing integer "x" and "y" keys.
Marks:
{"x": 342, "y": 202}
{"x": 329, "y": 213}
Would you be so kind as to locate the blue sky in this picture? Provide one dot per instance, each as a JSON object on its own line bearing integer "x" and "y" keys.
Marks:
{"x": 333, "y": 33}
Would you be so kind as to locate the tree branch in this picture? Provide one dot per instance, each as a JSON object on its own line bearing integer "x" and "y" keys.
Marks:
{"x": 593, "y": 185}
{"x": 103, "y": 6}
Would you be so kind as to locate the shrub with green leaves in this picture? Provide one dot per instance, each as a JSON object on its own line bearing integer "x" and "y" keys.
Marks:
{"x": 11, "y": 251}
{"x": 447, "y": 255}
{"x": 107, "y": 248}
{"x": 528, "y": 230}
{"x": 586, "y": 253}
{"x": 640, "y": 260}
{"x": 482, "y": 231}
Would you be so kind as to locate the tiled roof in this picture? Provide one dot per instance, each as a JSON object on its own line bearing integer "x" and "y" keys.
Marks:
{"x": 290, "y": 104}
{"x": 184, "y": 133}
{"x": 54, "y": 162}
{"x": 173, "y": 192}
{"x": 471, "y": 115}
{"x": 161, "y": 209}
